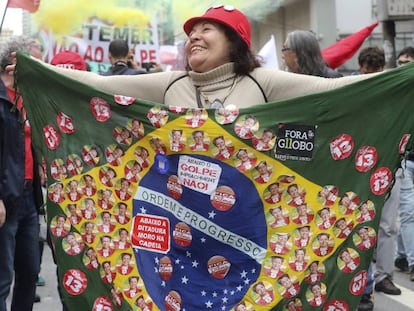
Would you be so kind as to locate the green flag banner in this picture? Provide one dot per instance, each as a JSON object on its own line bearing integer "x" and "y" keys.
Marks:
{"x": 273, "y": 207}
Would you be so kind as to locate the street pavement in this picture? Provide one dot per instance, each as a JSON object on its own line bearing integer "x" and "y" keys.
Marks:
{"x": 48, "y": 294}
{"x": 50, "y": 298}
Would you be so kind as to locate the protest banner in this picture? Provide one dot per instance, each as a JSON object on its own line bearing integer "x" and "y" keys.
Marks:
{"x": 193, "y": 209}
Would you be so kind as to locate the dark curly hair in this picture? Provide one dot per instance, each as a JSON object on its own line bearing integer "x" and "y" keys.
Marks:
{"x": 373, "y": 57}
{"x": 244, "y": 59}
{"x": 408, "y": 50}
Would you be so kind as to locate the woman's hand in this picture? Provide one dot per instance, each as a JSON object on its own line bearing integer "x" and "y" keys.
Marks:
{"x": 2, "y": 213}
{"x": 11, "y": 68}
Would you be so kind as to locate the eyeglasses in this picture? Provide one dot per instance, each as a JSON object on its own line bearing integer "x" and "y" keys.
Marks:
{"x": 286, "y": 49}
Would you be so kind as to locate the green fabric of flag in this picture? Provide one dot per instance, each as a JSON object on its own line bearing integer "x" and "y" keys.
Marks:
{"x": 204, "y": 224}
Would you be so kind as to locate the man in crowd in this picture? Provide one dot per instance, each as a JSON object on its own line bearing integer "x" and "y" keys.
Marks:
{"x": 405, "y": 239}
{"x": 122, "y": 61}
{"x": 372, "y": 59}
{"x": 20, "y": 189}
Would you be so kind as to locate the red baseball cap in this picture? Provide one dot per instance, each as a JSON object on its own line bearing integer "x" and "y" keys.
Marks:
{"x": 226, "y": 15}
{"x": 69, "y": 59}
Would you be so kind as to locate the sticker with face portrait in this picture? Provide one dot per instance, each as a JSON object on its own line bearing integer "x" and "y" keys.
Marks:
{"x": 157, "y": 116}
{"x": 59, "y": 226}
{"x": 262, "y": 293}
{"x": 246, "y": 126}
{"x": 122, "y": 135}
{"x": 90, "y": 155}
{"x": 227, "y": 114}
{"x": 195, "y": 117}
{"x": 348, "y": 260}
{"x": 264, "y": 140}
{"x": 73, "y": 244}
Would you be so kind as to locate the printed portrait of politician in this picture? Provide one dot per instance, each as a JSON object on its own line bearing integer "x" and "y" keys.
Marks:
{"x": 199, "y": 141}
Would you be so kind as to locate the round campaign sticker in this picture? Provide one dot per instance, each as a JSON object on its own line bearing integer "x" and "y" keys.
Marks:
{"x": 90, "y": 154}
{"x": 177, "y": 109}
{"x": 196, "y": 117}
{"x": 65, "y": 123}
{"x": 403, "y": 143}
{"x": 58, "y": 169}
{"x": 51, "y": 136}
{"x": 381, "y": 180}
{"x": 100, "y": 109}
{"x": 157, "y": 116}
{"x": 182, "y": 234}
{"x": 366, "y": 158}
{"x": 166, "y": 268}
{"x": 74, "y": 164}
{"x": 336, "y": 305}
{"x": 358, "y": 283}
{"x": 75, "y": 282}
{"x": 218, "y": 267}
{"x": 226, "y": 115}
{"x": 174, "y": 187}
{"x": 223, "y": 198}
{"x": 173, "y": 301}
{"x": 341, "y": 146}
{"x": 102, "y": 303}
{"x": 124, "y": 100}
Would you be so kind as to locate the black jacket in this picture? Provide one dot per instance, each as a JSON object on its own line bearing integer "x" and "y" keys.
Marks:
{"x": 12, "y": 154}
{"x": 121, "y": 68}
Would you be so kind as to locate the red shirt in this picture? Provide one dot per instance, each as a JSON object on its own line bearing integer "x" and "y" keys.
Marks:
{"x": 29, "y": 163}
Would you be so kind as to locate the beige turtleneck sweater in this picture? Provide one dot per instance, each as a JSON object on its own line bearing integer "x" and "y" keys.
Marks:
{"x": 215, "y": 84}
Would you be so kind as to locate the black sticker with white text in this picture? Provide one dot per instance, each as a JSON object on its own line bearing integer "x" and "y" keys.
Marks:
{"x": 295, "y": 142}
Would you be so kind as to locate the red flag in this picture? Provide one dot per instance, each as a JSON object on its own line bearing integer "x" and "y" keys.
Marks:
{"x": 339, "y": 52}
{"x": 28, "y": 5}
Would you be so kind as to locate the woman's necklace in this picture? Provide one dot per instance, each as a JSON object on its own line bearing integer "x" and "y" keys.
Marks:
{"x": 217, "y": 103}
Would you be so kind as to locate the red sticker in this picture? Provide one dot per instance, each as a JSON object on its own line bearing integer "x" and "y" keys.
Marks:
{"x": 51, "y": 136}
{"x": 173, "y": 301}
{"x": 381, "y": 180}
{"x": 341, "y": 146}
{"x": 174, "y": 187}
{"x": 102, "y": 303}
{"x": 65, "y": 123}
{"x": 403, "y": 143}
{"x": 151, "y": 232}
{"x": 75, "y": 282}
{"x": 182, "y": 234}
{"x": 100, "y": 109}
{"x": 336, "y": 305}
{"x": 358, "y": 283}
{"x": 124, "y": 100}
{"x": 223, "y": 198}
{"x": 366, "y": 158}
{"x": 218, "y": 267}
{"x": 166, "y": 268}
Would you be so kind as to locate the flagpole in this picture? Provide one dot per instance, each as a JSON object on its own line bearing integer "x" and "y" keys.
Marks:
{"x": 4, "y": 16}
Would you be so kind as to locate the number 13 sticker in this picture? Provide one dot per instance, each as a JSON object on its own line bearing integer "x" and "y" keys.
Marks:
{"x": 75, "y": 282}
{"x": 381, "y": 180}
{"x": 366, "y": 158}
